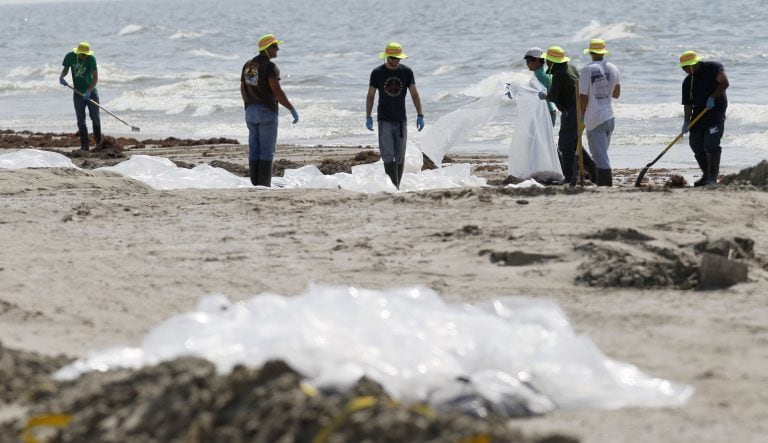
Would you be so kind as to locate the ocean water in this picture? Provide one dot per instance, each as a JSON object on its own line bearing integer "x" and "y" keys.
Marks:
{"x": 172, "y": 67}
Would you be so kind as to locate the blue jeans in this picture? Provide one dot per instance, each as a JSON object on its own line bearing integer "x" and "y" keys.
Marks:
{"x": 93, "y": 112}
{"x": 262, "y": 132}
{"x": 599, "y": 139}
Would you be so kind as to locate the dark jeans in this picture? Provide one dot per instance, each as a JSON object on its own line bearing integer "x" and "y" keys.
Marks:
{"x": 93, "y": 111}
{"x": 706, "y": 139}
{"x": 566, "y": 144}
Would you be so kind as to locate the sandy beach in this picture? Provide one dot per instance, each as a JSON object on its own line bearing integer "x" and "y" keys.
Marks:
{"x": 91, "y": 259}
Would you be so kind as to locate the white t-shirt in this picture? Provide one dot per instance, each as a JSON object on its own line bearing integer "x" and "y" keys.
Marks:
{"x": 598, "y": 80}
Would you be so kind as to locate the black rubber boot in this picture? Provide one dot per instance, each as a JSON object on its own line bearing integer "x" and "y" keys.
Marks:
{"x": 391, "y": 170}
{"x": 567, "y": 161}
{"x": 265, "y": 173}
{"x": 400, "y": 169}
{"x": 713, "y": 169}
{"x": 703, "y": 165}
{"x": 604, "y": 177}
{"x": 590, "y": 168}
{"x": 253, "y": 167}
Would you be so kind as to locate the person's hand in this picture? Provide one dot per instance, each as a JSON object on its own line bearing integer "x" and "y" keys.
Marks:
{"x": 685, "y": 127}
{"x": 710, "y": 102}
{"x": 87, "y": 96}
{"x": 369, "y": 123}
{"x": 420, "y": 122}
{"x": 542, "y": 95}
{"x": 295, "y": 116}
{"x": 63, "y": 82}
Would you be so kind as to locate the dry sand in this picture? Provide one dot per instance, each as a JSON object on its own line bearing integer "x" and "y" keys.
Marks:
{"x": 91, "y": 259}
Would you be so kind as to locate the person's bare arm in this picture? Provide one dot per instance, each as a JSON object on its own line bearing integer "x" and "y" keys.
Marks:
{"x": 277, "y": 90}
{"x": 92, "y": 86}
{"x": 416, "y": 99}
{"x": 616, "y": 91}
{"x": 722, "y": 84}
{"x": 369, "y": 100}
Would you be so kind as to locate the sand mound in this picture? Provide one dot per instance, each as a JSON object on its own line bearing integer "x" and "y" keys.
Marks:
{"x": 756, "y": 176}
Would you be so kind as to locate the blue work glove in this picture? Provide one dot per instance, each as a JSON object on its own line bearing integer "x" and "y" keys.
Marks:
{"x": 542, "y": 95}
{"x": 87, "y": 95}
{"x": 710, "y": 102}
{"x": 420, "y": 122}
{"x": 685, "y": 127}
{"x": 369, "y": 123}
{"x": 63, "y": 82}
{"x": 295, "y": 116}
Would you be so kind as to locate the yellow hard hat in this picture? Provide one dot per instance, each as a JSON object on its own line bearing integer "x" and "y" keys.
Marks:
{"x": 555, "y": 54}
{"x": 688, "y": 58}
{"x": 83, "y": 48}
{"x": 395, "y": 50}
{"x": 597, "y": 46}
{"x": 268, "y": 40}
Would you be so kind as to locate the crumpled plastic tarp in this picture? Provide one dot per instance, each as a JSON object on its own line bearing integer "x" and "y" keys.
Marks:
{"x": 162, "y": 173}
{"x": 456, "y": 126}
{"x": 507, "y": 354}
{"x": 532, "y": 148}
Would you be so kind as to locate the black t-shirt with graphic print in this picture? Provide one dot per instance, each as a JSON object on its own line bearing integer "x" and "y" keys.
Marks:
{"x": 255, "y": 80}
{"x": 392, "y": 85}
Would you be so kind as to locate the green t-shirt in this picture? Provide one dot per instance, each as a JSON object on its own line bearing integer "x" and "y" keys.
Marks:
{"x": 82, "y": 71}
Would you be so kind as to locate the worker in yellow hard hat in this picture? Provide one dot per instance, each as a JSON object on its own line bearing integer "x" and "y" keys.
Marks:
{"x": 704, "y": 91}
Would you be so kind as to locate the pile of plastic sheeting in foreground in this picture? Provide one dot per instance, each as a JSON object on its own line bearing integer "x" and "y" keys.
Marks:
{"x": 162, "y": 174}
{"x": 518, "y": 353}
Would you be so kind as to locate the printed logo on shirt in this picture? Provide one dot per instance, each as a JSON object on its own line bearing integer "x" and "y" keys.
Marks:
{"x": 78, "y": 70}
{"x": 393, "y": 86}
{"x": 251, "y": 75}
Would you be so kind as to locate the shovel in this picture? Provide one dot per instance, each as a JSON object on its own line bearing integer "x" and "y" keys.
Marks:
{"x": 133, "y": 128}
{"x": 645, "y": 169}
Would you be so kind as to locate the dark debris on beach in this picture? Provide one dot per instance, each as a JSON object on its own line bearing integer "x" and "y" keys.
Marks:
{"x": 186, "y": 400}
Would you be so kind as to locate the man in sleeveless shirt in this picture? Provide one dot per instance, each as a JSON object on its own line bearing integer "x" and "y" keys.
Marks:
{"x": 261, "y": 92}
{"x": 704, "y": 89}
{"x": 392, "y": 80}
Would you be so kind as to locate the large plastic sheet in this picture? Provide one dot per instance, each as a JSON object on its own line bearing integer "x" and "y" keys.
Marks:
{"x": 162, "y": 173}
{"x": 532, "y": 149}
{"x": 410, "y": 340}
{"x": 457, "y": 126}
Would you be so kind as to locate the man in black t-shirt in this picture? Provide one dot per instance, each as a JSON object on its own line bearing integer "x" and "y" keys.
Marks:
{"x": 704, "y": 90}
{"x": 393, "y": 80}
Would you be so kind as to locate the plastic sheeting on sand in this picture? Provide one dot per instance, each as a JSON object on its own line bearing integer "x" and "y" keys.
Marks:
{"x": 34, "y": 158}
{"x": 532, "y": 148}
{"x": 410, "y": 340}
{"x": 458, "y": 125}
{"x": 162, "y": 174}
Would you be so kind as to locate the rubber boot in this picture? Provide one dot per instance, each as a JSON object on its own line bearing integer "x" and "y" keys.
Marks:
{"x": 604, "y": 177}
{"x": 400, "y": 169}
{"x": 713, "y": 169}
{"x": 391, "y": 170}
{"x": 567, "y": 161}
{"x": 265, "y": 173}
{"x": 703, "y": 165}
{"x": 253, "y": 167}
{"x": 590, "y": 168}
